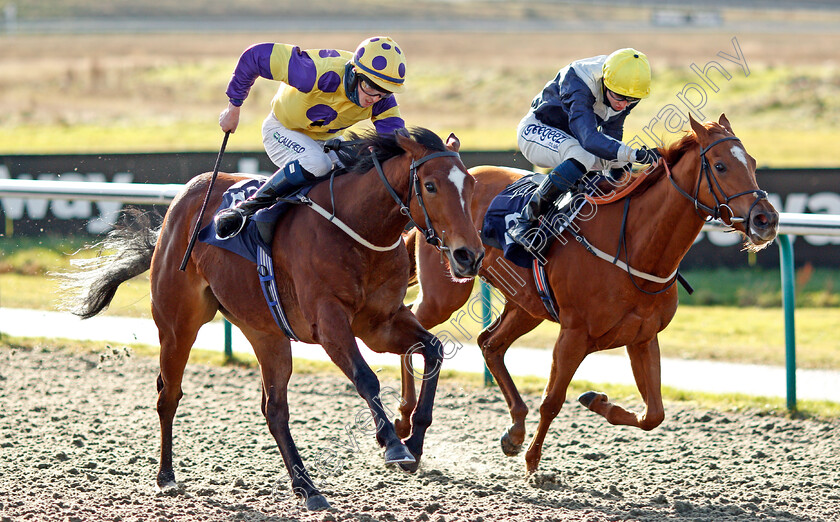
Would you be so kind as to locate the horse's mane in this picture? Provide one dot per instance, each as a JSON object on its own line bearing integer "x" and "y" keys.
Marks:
{"x": 671, "y": 154}
{"x": 386, "y": 147}
{"x": 674, "y": 154}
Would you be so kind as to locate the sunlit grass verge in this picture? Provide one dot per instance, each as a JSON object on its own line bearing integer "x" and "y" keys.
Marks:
{"x": 735, "y": 402}
{"x": 721, "y": 333}
{"x": 775, "y": 147}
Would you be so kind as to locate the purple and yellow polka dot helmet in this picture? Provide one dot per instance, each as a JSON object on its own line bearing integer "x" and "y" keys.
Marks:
{"x": 382, "y": 61}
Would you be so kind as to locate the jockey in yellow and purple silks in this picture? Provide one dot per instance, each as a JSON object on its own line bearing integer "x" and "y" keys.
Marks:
{"x": 323, "y": 92}
{"x": 575, "y": 125}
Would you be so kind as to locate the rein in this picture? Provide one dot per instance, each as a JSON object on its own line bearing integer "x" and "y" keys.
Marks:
{"x": 713, "y": 213}
{"x": 617, "y": 196}
{"x": 429, "y": 232}
{"x": 349, "y": 231}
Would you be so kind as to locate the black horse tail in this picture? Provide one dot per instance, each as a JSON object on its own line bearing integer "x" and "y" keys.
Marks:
{"x": 125, "y": 252}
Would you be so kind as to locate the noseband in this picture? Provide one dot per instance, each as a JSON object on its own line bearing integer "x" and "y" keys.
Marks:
{"x": 715, "y": 212}
{"x": 429, "y": 232}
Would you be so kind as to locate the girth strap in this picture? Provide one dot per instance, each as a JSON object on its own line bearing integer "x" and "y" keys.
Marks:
{"x": 544, "y": 291}
{"x": 265, "y": 269}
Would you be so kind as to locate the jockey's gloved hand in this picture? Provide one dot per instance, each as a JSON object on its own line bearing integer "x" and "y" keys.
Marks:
{"x": 648, "y": 156}
{"x": 333, "y": 144}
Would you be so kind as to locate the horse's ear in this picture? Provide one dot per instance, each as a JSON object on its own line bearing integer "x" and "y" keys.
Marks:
{"x": 409, "y": 145}
{"x": 696, "y": 126}
{"x": 453, "y": 143}
{"x": 725, "y": 123}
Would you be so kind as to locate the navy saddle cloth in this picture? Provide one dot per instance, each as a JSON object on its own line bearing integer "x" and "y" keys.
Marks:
{"x": 248, "y": 242}
{"x": 506, "y": 208}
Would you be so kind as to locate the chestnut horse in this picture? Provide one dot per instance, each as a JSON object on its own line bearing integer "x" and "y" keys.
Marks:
{"x": 332, "y": 286}
{"x": 602, "y": 306}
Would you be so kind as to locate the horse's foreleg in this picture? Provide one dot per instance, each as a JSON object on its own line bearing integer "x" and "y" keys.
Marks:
{"x": 403, "y": 332}
{"x": 644, "y": 360}
{"x": 438, "y": 298}
{"x": 276, "y": 369}
{"x": 421, "y": 419}
{"x": 409, "y": 398}
{"x": 335, "y": 335}
{"x": 494, "y": 343}
{"x": 569, "y": 351}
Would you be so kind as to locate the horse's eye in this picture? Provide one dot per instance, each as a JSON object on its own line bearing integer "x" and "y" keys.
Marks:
{"x": 430, "y": 187}
{"x": 720, "y": 167}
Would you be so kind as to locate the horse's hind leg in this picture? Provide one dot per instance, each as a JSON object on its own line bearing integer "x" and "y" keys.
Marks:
{"x": 178, "y": 316}
{"x": 275, "y": 357}
{"x": 644, "y": 360}
{"x": 513, "y": 323}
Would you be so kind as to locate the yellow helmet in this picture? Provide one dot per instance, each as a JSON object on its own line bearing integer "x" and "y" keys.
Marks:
{"x": 383, "y": 62}
{"x": 627, "y": 72}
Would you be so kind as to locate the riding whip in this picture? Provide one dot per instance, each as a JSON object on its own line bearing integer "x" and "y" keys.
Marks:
{"x": 204, "y": 205}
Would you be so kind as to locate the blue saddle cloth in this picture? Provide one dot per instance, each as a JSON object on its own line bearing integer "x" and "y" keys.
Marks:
{"x": 254, "y": 245}
{"x": 248, "y": 242}
{"x": 506, "y": 208}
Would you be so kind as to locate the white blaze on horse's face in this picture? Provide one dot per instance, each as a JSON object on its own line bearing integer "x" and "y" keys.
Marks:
{"x": 458, "y": 177}
{"x": 740, "y": 155}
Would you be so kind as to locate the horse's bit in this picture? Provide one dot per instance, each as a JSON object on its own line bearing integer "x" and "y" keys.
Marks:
{"x": 715, "y": 212}
{"x": 429, "y": 232}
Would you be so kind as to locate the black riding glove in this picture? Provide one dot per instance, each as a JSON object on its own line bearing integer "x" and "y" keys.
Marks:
{"x": 332, "y": 144}
{"x": 647, "y": 156}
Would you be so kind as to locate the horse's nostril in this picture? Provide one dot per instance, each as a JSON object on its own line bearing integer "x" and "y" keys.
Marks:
{"x": 764, "y": 220}
{"x": 463, "y": 256}
{"x": 478, "y": 259}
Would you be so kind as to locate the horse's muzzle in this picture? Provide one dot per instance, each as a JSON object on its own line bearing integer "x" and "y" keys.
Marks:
{"x": 763, "y": 224}
{"x": 466, "y": 262}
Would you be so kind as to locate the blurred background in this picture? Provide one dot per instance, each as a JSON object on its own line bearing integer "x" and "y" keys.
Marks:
{"x": 131, "y": 91}
{"x": 127, "y": 76}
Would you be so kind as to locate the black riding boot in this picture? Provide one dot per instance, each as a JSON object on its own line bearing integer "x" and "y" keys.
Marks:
{"x": 230, "y": 221}
{"x": 541, "y": 199}
{"x": 558, "y": 181}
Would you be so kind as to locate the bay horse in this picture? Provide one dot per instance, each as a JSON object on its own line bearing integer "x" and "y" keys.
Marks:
{"x": 602, "y": 306}
{"x": 332, "y": 286}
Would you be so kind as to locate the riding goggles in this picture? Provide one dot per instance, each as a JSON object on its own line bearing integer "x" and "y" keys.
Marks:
{"x": 621, "y": 98}
{"x": 372, "y": 90}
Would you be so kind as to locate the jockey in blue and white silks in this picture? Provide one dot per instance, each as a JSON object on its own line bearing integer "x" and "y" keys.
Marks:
{"x": 323, "y": 92}
{"x": 576, "y": 124}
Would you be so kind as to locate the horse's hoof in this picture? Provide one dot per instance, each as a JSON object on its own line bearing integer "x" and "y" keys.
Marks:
{"x": 166, "y": 482}
{"x": 168, "y": 488}
{"x": 317, "y": 503}
{"x": 508, "y": 447}
{"x": 587, "y": 398}
{"x": 398, "y": 454}
{"x": 410, "y": 467}
{"x": 403, "y": 428}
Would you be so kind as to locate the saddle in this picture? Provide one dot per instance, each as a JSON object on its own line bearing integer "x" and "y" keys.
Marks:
{"x": 506, "y": 208}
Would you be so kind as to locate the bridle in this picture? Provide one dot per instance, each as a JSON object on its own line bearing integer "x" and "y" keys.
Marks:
{"x": 715, "y": 212}
{"x": 712, "y": 213}
{"x": 429, "y": 232}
